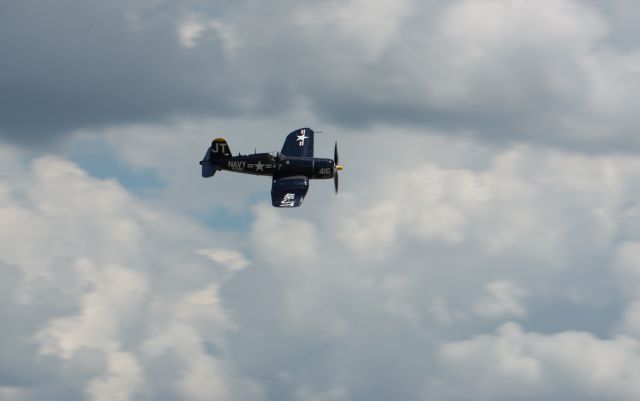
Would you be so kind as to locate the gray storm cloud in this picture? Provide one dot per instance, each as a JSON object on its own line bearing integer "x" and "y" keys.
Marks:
{"x": 553, "y": 72}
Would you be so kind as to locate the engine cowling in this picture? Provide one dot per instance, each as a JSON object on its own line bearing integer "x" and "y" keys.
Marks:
{"x": 323, "y": 169}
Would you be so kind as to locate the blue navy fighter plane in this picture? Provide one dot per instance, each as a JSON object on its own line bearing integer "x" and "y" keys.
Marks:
{"x": 291, "y": 168}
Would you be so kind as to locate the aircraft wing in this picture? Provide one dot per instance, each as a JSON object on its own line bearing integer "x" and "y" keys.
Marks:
{"x": 289, "y": 191}
{"x": 299, "y": 143}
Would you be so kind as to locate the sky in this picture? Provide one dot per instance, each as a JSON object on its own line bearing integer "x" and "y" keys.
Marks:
{"x": 485, "y": 243}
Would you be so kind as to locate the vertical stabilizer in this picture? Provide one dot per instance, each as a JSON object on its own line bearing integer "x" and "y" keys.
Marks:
{"x": 220, "y": 148}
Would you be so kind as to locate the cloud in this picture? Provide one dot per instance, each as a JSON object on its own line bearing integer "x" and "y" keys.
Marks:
{"x": 99, "y": 287}
{"x": 503, "y": 299}
{"x": 473, "y": 68}
{"x": 231, "y": 259}
{"x": 483, "y": 244}
{"x": 80, "y": 65}
{"x": 130, "y": 297}
{"x": 532, "y": 366}
{"x": 413, "y": 295}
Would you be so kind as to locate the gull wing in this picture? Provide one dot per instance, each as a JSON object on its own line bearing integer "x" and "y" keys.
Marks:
{"x": 299, "y": 143}
{"x": 289, "y": 191}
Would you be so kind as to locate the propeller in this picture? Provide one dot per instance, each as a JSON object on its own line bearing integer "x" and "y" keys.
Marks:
{"x": 338, "y": 167}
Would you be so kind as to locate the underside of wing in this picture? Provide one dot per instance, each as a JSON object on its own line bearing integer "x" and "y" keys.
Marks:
{"x": 299, "y": 143}
{"x": 289, "y": 191}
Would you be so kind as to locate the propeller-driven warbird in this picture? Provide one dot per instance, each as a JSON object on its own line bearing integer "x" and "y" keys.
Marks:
{"x": 291, "y": 168}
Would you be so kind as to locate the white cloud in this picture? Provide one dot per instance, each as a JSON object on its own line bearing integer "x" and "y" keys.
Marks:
{"x": 286, "y": 242}
{"x": 121, "y": 382}
{"x": 514, "y": 363}
{"x": 115, "y": 291}
{"x": 109, "y": 284}
{"x": 195, "y": 29}
{"x": 450, "y": 239}
{"x": 503, "y": 299}
{"x": 465, "y": 237}
{"x": 508, "y": 206}
{"x": 203, "y": 381}
{"x": 428, "y": 202}
{"x": 532, "y": 240}
{"x": 189, "y": 32}
{"x": 232, "y": 260}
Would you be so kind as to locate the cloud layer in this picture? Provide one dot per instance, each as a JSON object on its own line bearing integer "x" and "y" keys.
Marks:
{"x": 106, "y": 297}
{"x": 460, "y": 257}
{"x": 553, "y": 72}
{"x": 484, "y": 245}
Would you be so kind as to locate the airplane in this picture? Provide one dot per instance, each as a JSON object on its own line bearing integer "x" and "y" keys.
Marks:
{"x": 290, "y": 169}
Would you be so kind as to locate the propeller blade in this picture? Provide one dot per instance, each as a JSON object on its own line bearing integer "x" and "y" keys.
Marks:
{"x": 338, "y": 167}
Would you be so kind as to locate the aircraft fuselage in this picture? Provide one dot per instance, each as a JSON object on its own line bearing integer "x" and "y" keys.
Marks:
{"x": 277, "y": 165}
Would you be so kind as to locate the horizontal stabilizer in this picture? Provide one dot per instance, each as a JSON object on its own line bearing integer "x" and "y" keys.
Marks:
{"x": 208, "y": 169}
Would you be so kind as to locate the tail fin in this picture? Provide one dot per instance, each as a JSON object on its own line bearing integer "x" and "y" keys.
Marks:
{"x": 219, "y": 149}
